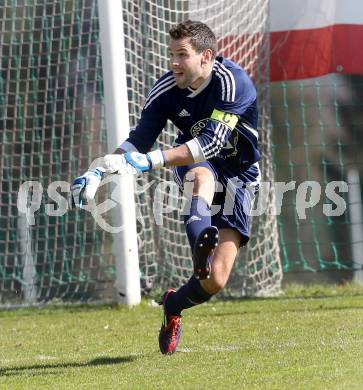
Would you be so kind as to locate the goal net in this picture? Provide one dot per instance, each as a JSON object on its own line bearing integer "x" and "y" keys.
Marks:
{"x": 53, "y": 126}
{"x": 241, "y": 28}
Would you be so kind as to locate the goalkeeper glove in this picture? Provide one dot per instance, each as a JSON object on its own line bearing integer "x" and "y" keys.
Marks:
{"x": 145, "y": 162}
{"x": 85, "y": 186}
{"x": 133, "y": 162}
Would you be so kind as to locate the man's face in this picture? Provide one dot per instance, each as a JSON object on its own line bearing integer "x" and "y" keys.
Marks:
{"x": 187, "y": 65}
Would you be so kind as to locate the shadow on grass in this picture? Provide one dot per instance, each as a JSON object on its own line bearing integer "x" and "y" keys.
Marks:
{"x": 45, "y": 369}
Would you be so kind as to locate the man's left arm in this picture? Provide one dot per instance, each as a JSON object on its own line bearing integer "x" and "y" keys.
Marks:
{"x": 233, "y": 112}
{"x": 213, "y": 137}
{"x": 205, "y": 146}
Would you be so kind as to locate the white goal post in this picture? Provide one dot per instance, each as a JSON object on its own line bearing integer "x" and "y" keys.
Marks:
{"x": 125, "y": 250}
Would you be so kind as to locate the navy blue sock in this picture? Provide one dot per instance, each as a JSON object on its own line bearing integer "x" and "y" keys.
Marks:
{"x": 196, "y": 218}
{"x": 188, "y": 295}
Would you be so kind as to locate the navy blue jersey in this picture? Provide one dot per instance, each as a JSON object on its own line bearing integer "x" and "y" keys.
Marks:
{"x": 216, "y": 121}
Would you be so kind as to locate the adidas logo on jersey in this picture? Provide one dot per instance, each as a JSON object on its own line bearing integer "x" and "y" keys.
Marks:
{"x": 184, "y": 112}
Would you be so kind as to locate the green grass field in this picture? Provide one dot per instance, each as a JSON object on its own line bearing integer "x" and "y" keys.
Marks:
{"x": 309, "y": 342}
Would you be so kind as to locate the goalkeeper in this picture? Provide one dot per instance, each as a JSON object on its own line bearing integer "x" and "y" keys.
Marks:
{"x": 212, "y": 102}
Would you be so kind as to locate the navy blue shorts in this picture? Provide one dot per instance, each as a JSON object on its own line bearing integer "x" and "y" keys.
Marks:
{"x": 233, "y": 199}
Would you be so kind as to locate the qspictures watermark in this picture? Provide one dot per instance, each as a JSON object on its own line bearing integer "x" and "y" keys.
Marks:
{"x": 167, "y": 199}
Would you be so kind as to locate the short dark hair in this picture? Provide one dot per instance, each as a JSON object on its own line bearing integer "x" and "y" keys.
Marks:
{"x": 201, "y": 36}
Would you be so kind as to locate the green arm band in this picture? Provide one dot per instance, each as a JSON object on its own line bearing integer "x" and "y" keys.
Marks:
{"x": 229, "y": 120}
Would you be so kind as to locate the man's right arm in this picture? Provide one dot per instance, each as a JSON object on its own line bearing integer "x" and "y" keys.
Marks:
{"x": 153, "y": 118}
{"x": 141, "y": 139}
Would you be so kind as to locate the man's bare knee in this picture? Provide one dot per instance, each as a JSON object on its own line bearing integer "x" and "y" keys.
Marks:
{"x": 213, "y": 285}
{"x": 200, "y": 176}
{"x": 200, "y": 182}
